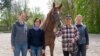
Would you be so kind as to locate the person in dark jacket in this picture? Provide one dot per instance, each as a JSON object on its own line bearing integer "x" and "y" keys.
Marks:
{"x": 19, "y": 36}
{"x": 36, "y": 41}
{"x": 83, "y": 41}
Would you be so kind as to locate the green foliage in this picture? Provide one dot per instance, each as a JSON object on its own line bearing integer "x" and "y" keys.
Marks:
{"x": 9, "y": 12}
{"x": 6, "y": 12}
{"x": 89, "y": 9}
{"x": 6, "y": 4}
{"x": 35, "y": 14}
{"x": 68, "y": 8}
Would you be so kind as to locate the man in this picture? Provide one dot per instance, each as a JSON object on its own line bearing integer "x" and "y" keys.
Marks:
{"x": 19, "y": 36}
{"x": 83, "y": 41}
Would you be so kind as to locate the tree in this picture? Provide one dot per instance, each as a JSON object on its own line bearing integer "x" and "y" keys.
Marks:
{"x": 90, "y": 9}
{"x": 10, "y": 10}
{"x": 35, "y": 14}
{"x": 68, "y": 8}
{"x": 6, "y": 6}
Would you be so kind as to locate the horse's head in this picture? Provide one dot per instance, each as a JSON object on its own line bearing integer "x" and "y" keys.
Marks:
{"x": 55, "y": 14}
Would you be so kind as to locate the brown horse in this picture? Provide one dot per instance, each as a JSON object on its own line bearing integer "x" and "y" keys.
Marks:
{"x": 52, "y": 20}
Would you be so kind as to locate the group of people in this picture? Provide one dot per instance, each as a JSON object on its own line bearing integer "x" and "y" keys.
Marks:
{"x": 23, "y": 39}
{"x": 75, "y": 39}
{"x": 32, "y": 40}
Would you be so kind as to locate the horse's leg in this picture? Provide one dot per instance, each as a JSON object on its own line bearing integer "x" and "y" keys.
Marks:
{"x": 51, "y": 49}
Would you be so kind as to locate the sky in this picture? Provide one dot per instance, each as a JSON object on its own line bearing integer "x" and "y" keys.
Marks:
{"x": 42, "y": 4}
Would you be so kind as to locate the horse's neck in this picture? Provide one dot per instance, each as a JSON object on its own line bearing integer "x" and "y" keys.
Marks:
{"x": 48, "y": 25}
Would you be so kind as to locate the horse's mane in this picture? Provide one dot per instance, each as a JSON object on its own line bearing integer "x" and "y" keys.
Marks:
{"x": 45, "y": 21}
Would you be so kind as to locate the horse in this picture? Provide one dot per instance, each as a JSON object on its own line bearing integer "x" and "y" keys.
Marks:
{"x": 52, "y": 21}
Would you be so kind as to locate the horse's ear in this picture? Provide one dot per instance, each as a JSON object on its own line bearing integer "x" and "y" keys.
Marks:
{"x": 53, "y": 4}
{"x": 60, "y": 6}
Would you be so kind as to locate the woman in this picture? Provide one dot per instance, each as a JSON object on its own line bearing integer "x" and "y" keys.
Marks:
{"x": 69, "y": 35}
{"x": 19, "y": 36}
{"x": 36, "y": 41}
{"x": 83, "y": 41}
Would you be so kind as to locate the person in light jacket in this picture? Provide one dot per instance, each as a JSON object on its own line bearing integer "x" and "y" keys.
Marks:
{"x": 69, "y": 35}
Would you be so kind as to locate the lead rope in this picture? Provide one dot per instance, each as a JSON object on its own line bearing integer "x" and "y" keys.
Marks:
{"x": 60, "y": 40}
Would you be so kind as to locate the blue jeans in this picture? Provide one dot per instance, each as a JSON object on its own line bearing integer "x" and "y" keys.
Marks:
{"x": 36, "y": 51}
{"x": 81, "y": 50}
{"x": 20, "y": 48}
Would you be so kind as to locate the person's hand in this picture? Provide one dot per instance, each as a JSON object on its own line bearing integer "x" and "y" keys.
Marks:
{"x": 73, "y": 40}
{"x": 13, "y": 48}
{"x": 87, "y": 46}
{"x": 43, "y": 51}
{"x": 54, "y": 30}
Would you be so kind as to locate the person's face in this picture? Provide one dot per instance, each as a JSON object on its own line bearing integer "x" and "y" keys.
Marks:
{"x": 68, "y": 21}
{"x": 79, "y": 19}
{"x": 37, "y": 23}
{"x": 22, "y": 16}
